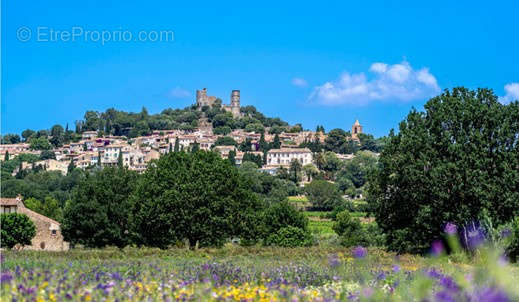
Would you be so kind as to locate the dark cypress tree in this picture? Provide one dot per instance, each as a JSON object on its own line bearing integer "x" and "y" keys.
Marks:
{"x": 177, "y": 145}
{"x": 120, "y": 159}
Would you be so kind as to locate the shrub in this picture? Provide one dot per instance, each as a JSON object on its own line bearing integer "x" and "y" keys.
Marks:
{"x": 290, "y": 236}
{"x": 512, "y": 242}
{"x": 349, "y": 229}
{"x": 16, "y": 229}
{"x": 344, "y": 206}
{"x": 280, "y": 215}
{"x": 323, "y": 195}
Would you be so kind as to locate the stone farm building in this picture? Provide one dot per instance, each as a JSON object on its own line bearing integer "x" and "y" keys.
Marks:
{"x": 48, "y": 232}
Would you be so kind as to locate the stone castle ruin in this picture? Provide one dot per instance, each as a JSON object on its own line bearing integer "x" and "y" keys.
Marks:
{"x": 202, "y": 99}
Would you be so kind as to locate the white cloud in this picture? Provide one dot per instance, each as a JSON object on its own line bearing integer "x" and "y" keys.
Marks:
{"x": 179, "y": 93}
{"x": 397, "y": 82}
{"x": 512, "y": 93}
{"x": 299, "y": 82}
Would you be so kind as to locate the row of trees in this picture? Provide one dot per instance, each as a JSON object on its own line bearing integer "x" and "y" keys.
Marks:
{"x": 194, "y": 197}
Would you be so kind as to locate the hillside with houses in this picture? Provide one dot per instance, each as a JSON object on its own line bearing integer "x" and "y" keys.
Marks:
{"x": 134, "y": 140}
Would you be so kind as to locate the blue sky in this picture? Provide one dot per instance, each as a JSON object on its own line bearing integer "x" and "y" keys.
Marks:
{"x": 310, "y": 62}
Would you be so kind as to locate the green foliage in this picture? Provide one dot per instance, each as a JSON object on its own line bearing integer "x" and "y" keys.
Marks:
{"x": 10, "y": 139}
{"x": 40, "y": 143}
{"x": 447, "y": 164}
{"x": 512, "y": 244}
{"x": 223, "y": 130}
{"x": 257, "y": 159}
{"x": 349, "y": 229}
{"x": 42, "y": 184}
{"x": 352, "y": 233}
{"x": 197, "y": 197}
{"x": 16, "y": 229}
{"x": 268, "y": 188}
{"x": 255, "y": 127}
{"x": 280, "y": 215}
{"x": 27, "y": 134}
{"x": 323, "y": 195}
{"x": 290, "y": 237}
{"x": 338, "y": 141}
{"x": 98, "y": 212}
{"x": 356, "y": 170}
{"x": 47, "y": 154}
{"x": 225, "y": 141}
{"x": 295, "y": 171}
{"x": 49, "y": 207}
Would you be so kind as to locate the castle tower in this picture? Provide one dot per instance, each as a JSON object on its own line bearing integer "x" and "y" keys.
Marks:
{"x": 356, "y": 129}
{"x": 235, "y": 103}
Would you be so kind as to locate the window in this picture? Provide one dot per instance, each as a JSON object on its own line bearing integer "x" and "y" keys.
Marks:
{"x": 53, "y": 232}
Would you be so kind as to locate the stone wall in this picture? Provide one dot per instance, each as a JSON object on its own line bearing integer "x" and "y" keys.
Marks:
{"x": 48, "y": 233}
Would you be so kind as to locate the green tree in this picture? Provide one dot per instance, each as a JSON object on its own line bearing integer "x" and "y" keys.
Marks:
{"x": 225, "y": 141}
{"x": 197, "y": 197}
{"x": 177, "y": 145}
{"x": 295, "y": 170}
{"x": 57, "y": 134}
{"x": 27, "y": 134}
{"x": 47, "y": 154}
{"x": 16, "y": 229}
{"x": 247, "y": 156}
{"x": 323, "y": 195}
{"x": 276, "y": 143}
{"x": 120, "y": 163}
{"x": 49, "y": 207}
{"x": 349, "y": 229}
{"x": 40, "y": 143}
{"x": 71, "y": 166}
{"x": 6, "y": 156}
{"x": 232, "y": 157}
{"x": 447, "y": 164}
{"x": 98, "y": 212}
{"x": 283, "y": 214}
{"x": 10, "y": 139}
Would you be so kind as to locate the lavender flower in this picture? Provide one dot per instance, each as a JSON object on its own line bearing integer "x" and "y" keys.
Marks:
{"x": 333, "y": 261}
{"x": 437, "y": 248}
{"x": 451, "y": 228}
{"x": 491, "y": 294}
{"x": 359, "y": 252}
{"x": 6, "y": 277}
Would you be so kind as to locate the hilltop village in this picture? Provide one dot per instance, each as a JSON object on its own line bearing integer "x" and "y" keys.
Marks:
{"x": 93, "y": 148}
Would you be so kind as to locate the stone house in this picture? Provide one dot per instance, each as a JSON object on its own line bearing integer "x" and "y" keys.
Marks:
{"x": 48, "y": 232}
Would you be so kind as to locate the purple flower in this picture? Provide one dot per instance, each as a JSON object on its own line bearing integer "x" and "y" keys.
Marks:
{"x": 473, "y": 235}
{"x": 333, "y": 261}
{"x": 505, "y": 233}
{"x": 451, "y": 228}
{"x": 491, "y": 295}
{"x": 437, "y": 248}
{"x": 444, "y": 296}
{"x": 448, "y": 283}
{"x": 359, "y": 252}
{"x": 396, "y": 268}
{"x": 6, "y": 277}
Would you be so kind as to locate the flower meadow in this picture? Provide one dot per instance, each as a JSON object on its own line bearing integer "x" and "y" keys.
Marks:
{"x": 254, "y": 274}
